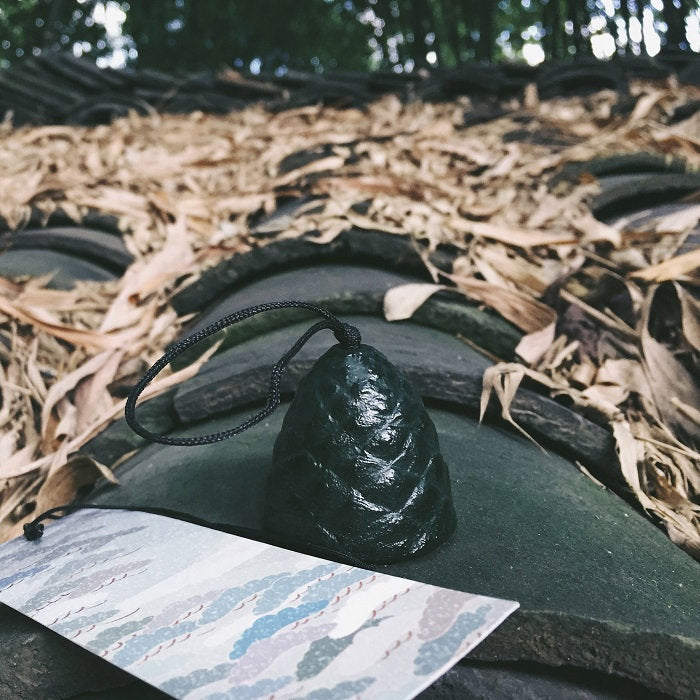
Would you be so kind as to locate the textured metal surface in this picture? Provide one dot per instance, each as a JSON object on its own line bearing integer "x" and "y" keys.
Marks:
{"x": 357, "y": 466}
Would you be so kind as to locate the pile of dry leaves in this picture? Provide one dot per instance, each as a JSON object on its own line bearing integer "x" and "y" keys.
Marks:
{"x": 188, "y": 190}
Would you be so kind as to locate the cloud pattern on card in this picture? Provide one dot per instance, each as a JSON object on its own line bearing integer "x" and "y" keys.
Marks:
{"x": 204, "y": 614}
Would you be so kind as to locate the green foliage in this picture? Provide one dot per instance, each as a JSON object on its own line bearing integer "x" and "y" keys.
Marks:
{"x": 187, "y": 35}
{"x": 196, "y": 35}
{"x": 34, "y": 26}
{"x": 19, "y": 28}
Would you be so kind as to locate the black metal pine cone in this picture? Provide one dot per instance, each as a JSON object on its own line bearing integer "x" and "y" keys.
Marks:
{"x": 357, "y": 465}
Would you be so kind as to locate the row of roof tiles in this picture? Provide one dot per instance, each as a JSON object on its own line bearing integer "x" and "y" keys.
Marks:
{"x": 63, "y": 89}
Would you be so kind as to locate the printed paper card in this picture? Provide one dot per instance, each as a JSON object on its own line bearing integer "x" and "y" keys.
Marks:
{"x": 203, "y": 614}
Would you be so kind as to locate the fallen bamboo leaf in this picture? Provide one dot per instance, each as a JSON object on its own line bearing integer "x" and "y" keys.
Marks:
{"x": 145, "y": 277}
{"x": 473, "y": 152}
{"x": 59, "y": 390}
{"x": 92, "y": 396}
{"x": 511, "y": 235}
{"x": 503, "y": 380}
{"x": 64, "y": 483}
{"x": 645, "y": 103}
{"x": 594, "y": 231}
{"x": 685, "y": 132}
{"x": 13, "y": 461}
{"x": 410, "y": 169}
{"x": 520, "y": 309}
{"x": 367, "y": 224}
{"x": 75, "y": 336}
{"x": 330, "y": 164}
{"x": 507, "y": 163}
{"x": 628, "y": 454}
{"x": 670, "y": 503}
{"x": 690, "y": 316}
{"x": 673, "y": 269}
{"x": 611, "y": 323}
{"x": 625, "y": 373}
{"x": 668, "y": 380}
{"x": 689, "y": 411}
{"x": 611, "y": 394}
{"x": 533, "y": 346}
{"x": 402, "y": 302}
{"x": 155, "y": 388}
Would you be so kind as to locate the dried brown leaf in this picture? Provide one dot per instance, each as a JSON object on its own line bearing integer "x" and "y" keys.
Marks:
{"x": 402, "y": 302}
{"x": 76, "y": 336}
{"x": 511, "y": 235}
{"x": 410, "y": 169}
{"x": 67, "y": 383}
{"x": 504, "y": 379}
{"x": 533, "y": 346}
{"x": 330, "y": 164}
{"x": 469, "y": 150}
{"x": 668, "y": 380}
{"x": 520, "y": 309}
{"x": 92, "y": 396}
{"x": 63, "y": 485}
{"x": 672, "y": 269}
{"x": 628, "y": 454}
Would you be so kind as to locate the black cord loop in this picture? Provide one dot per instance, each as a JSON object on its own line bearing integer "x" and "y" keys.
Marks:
{"x": 348, "y": 336}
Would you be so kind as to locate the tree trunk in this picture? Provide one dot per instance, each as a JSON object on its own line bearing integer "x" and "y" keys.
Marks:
{"x": 484, "y": 49}
{"x": 548, "y": 42}
{"x": 419, "y": 29}
{"x": 675, "y": 20}
{"x": 51, "y": 37}
{"x": 639, "y": 14}
{"x": 578, "y": 14}
{"x": 626, "y": 16}
{"x": 558, "y": 34}
{"x": 441, "y": 45}
{"x": 452, "y": 26}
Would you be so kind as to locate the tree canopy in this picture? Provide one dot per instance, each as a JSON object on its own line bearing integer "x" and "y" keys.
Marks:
{"x": 401, "y": 35}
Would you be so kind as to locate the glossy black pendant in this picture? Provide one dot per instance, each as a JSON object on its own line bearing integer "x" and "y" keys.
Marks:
{"x": 357, "y": 466}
